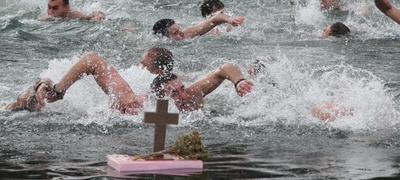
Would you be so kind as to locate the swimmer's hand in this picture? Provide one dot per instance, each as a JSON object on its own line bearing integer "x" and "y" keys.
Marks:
{"x": 46, "y": 18}
{"x": 54, "y": 94}
{"x": 131, "y": 107}
{"x": 223, "y": 18}
{"x": 98, "y": 16}
{"x": 244, "y": 86}
{"x": 41, "y": 92}
{"x": 32, "y": 99}
{"x": 236, "y": 21}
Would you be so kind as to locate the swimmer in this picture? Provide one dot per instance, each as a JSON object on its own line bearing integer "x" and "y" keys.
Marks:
{"x": 329, "y": 111}
{"x": 336, "y": 29}
{"x": 61, "y": 9}
{"x": 192, "y": 97}
{"x": 210, "y": 8}
{"x": 330, "y": 5}
{"x": 260, "y": 67}
{"x": 335, "y": 7}
{"x": 155, "y": 60}
{"x": 256, "y": 68}
{"x": 170, "y": 29}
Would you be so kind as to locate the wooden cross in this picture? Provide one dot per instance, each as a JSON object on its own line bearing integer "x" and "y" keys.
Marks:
{"x": 160, "y": 118}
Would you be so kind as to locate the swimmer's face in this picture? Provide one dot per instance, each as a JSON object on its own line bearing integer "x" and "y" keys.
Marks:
{"x": 57, "y": 8}
{"x": 327, "y": 31}
{"x": 147, "y": 62}
{"x": 174, "y": 32}
{"x": 329, "y": 4}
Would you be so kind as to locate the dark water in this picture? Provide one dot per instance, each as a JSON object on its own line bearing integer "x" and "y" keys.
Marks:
{"x": 267, "y": 134}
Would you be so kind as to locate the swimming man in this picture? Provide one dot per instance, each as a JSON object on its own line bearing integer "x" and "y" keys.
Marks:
{"x": 61, "y": 9}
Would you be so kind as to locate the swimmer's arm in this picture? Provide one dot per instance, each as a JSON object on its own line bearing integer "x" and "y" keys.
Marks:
{"x": 19, "y": 102}
{"x": 94, "y": 16}
{"x": 12, "y": 106}
{"x": 329, "y": 111}
{"x": 216, "y": 77}
{"x": 133, "y": 105}
{"x": 98, "y": 16}
{"x": 389, "y": 10}
{"x": 206, "y": 25}
{"x": 45, "y": 18}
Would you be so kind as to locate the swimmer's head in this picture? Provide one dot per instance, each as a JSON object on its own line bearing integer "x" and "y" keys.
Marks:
{"x": 157, "y": 60}
{"x": 329, "y": 4}
{"x": 157, "y": 86}
{"x": 337, "y": 29}
{"x": 58, "y": 8}
{"x": 210, "y": 6}
{"x": 168, "y": 28}
{"x": 161, "y": 26}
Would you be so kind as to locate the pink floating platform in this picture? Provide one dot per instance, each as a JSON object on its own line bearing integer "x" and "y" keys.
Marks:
{"x": 123, "y": 163}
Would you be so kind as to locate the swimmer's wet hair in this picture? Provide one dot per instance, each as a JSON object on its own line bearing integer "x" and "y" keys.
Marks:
{"x": 207, "y": 7}
{"x": 158, "y": 83}
{"x": 258, "y": 66}
{"x": 162, "y": 58}
{"x": 338, "y": 29}
{"x": 65, "y": 2}
{"x": 161, "y": 26}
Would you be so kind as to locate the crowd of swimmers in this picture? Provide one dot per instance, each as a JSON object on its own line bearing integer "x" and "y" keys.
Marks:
{"x": 160, "y": 61}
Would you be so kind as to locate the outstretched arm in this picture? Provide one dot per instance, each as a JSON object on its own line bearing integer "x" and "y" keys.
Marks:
{"x": 205, "y": 26}
{"x": 389, "y": 10}
{"x": 226, "y": 71}
{"x": 106, "y": 76}
{"x": 94, "y": 16}
{"x": 329, "y": 111}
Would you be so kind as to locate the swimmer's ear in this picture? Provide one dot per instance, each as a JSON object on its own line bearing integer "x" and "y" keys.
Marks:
{"x": 159, "y": 71}
{"x": 67, "y": 7}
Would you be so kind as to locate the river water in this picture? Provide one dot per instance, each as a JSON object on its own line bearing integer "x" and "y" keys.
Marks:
{"x": 269, "y": 133}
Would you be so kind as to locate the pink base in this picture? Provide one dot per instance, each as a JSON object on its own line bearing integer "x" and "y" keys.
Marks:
{"x": 123, "y": 163}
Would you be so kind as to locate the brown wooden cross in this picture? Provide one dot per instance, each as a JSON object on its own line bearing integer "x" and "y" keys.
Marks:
{"x": 160, "y": 118}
